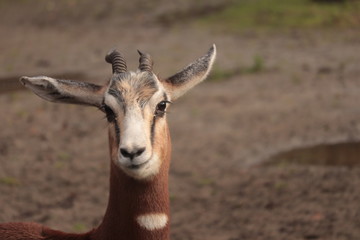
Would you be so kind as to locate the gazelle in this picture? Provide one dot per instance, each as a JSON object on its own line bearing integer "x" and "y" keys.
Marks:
{"x": 135, "y": 104}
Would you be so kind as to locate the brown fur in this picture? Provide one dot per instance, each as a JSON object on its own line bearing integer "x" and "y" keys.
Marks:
{"x": 140, "y": 88}
{"x": 129, "y": 198}
{"x": 21, "y": 231}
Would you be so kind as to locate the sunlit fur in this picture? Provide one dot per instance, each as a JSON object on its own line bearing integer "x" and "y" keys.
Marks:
{"x": 138, "y": 206}
{"x": 135, "y": 107}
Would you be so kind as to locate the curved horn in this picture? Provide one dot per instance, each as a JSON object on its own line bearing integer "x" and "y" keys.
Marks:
{"x": 117, "y": 61}
{"x": 145, "y": 62}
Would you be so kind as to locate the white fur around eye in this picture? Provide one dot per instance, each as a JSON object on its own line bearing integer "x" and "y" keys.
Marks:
{"x": 111, "y": 101}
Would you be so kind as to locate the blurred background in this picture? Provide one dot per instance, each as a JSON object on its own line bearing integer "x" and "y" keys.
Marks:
{"x": 266, "y": 148}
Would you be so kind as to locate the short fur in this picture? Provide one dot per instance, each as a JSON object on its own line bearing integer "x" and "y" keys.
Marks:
{"x": 138, "y": 87}
{"x": 138, "y": 186}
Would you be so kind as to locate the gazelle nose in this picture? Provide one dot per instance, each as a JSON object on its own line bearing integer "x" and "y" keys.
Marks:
{"x": 131, "y": 153}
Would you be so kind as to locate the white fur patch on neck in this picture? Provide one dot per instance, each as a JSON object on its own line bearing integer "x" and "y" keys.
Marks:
{"x": 152, "y": 221}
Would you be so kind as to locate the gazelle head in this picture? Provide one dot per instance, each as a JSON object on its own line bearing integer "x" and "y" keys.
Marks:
{"x": 135, "y": 104}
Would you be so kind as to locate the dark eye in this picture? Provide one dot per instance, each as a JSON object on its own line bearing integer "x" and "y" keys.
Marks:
{"x": 160, "y": 108}
{"x": 110, "y": 115}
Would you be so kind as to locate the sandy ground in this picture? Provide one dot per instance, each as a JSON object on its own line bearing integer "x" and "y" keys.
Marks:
{"x": 54, "y": 158}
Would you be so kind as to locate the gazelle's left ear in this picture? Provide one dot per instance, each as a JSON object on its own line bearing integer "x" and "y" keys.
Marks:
{"x": 65, "y": 91}
{"x": 191, "y": 75}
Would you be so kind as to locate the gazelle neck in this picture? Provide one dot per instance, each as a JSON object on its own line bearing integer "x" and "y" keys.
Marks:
{"x": 137, "y": 209}
{"x": 132, "y": 101}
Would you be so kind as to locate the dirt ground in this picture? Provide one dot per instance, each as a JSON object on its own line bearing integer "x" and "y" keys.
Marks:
{"x": 54, "y": 158}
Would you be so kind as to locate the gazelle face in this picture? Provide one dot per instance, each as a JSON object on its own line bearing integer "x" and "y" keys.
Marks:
{"x": 135, "y": 104}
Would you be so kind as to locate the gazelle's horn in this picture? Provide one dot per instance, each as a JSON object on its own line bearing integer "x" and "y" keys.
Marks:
{"x": 117, "y": 61}
{"x": 145, "y": 62}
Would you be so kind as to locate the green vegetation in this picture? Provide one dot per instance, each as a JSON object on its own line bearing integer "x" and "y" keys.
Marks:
{"x": 284, "y": 14}
{"x": 59, "y": 164}
{"x": 64, "y": 156}
{"x": 219, "y": 74}
{"x": 10, "y": 181}
{"x": 79, "y": 227}
{"x": 173, "y": 197}
{"x": 257, "y": 66}
{"x": 280, "y": 186}
{"x": 206, "y": 181}
{"x": 62, "y": 160}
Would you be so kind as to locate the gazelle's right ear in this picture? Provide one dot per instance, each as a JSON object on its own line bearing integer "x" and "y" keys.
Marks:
{"x": 65, "y": 91}
{"x": 191, "y": 75}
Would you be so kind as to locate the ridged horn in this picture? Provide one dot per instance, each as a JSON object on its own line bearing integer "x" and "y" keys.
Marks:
{"x": 145, "y": 62}
{"x": 117, "y": 61}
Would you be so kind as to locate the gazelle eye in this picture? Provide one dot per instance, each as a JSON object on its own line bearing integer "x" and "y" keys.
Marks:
{"x": 160, "y": 108}
{"x": 110, "y": 115}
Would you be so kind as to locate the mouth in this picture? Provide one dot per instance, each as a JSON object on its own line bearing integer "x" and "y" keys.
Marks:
{"x": 140, "y": 169}
{"x": 137, "y": 166}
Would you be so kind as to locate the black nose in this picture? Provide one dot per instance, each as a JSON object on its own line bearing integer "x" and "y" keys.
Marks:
{"x": 132, "y": 153}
